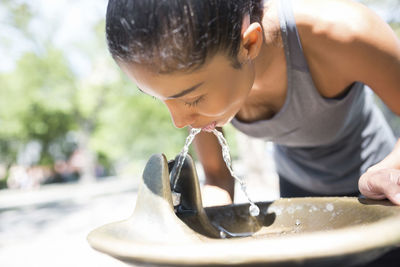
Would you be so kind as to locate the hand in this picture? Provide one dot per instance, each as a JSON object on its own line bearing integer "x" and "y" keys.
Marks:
{"x": 215, "y": 196}
{"x": 380, "y": 184}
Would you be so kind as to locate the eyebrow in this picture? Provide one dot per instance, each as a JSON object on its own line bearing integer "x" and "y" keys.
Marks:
{"x": 186, "y": 91}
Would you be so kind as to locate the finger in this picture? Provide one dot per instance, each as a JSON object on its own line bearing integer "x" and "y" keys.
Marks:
{"x": 393, "y": 191}
{"x": 370, "y": 186}
{"x": 381, "y": 184}
{"x": 394, "y": 195}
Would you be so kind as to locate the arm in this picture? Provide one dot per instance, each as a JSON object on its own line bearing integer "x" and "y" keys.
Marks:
{"x": 354, "y": 44}
{"x": 219, "y": 184}
{"x": 378, "y": 52}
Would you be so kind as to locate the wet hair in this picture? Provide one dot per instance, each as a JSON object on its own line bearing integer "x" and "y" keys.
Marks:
{"x": 177, "y": 35}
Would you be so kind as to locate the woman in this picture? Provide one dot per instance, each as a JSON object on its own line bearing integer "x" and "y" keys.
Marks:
{"x": 297, "y": 73}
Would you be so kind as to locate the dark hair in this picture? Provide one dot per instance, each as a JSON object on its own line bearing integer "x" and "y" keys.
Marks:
{"x": 177, "y": 35}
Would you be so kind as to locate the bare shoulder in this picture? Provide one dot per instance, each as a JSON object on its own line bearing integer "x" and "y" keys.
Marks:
{"x": 338, "y": 20}
{"x": 343, "y": 25}
{"x": 349, "y": 40}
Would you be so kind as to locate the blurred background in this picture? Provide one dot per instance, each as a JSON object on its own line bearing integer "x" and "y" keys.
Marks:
{"x": 75, "y": 133}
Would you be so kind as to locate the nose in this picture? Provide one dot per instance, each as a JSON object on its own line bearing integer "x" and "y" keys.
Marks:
{"x": 181, "y": 117}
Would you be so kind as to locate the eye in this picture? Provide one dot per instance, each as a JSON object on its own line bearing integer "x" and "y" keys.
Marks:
{"x": 195, "y": 102}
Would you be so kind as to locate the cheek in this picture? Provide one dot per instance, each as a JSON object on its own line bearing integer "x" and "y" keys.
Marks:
{"x": 225, "y": 100}
{"x": 230, "y": 93}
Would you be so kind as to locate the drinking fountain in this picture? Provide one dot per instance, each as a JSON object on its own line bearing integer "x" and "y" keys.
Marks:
{"x": 173, "y": 228}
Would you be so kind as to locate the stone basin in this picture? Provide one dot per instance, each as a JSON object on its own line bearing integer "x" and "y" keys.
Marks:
{"x": 330, "y": 231}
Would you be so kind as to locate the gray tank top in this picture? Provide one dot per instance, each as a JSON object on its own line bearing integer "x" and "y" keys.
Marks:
{"x": 321, "y": 145}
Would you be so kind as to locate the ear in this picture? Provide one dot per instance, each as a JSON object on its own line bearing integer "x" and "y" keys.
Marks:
{"x": 252, "y": 38}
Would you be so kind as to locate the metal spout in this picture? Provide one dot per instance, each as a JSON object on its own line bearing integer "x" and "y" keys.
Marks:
{"x": 190, "y": 204}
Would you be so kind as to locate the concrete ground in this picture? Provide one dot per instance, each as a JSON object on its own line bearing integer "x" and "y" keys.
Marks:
{"x": 48, "y": 227}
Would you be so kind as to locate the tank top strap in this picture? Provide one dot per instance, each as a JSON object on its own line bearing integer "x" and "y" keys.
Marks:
{"x": 290, "y": 37}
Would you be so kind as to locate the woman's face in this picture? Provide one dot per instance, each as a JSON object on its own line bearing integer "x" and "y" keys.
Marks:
{"x": 206, "y": 98}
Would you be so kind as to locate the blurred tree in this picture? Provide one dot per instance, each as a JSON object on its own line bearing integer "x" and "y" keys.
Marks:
{"x": 19, "y": 15}
{"x": 43, "y": 99}
{"x": 37, "y": 103}
{"x": 48, "y": 126}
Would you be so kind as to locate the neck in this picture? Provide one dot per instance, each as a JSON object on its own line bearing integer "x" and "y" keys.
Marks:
{"x": 269, "y": 89}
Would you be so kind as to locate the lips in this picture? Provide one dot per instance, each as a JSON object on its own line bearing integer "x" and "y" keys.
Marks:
{"x": 210, "y": 127}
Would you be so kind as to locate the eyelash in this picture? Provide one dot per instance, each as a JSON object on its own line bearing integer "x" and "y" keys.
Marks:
{"x": 196, "y": 102}
{"x": 191, "y": 104}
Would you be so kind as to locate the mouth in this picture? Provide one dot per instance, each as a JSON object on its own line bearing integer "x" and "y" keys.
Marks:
{"x": 210, "y": 127}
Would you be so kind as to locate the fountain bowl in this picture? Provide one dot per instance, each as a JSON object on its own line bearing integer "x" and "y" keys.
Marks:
{"x": 322, "y": 231}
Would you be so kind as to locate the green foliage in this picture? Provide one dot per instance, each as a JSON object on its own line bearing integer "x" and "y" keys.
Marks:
{"x": 19, "y": 15}
{"x": 136, "y": 126}
{"x": 3, "y": 183}
{"x": 33, "y": 103}
{"x": 43, "y": 100}
{"x": 48, "y": 126}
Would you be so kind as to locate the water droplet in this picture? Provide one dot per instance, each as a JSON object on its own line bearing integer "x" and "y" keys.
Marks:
{"x": 176, "y": 198}
{"x": 222, "y": 234}
{"x": 254, "y": 210}
{"x": 329, "y": 207}
{"x": 124, "y": 48}
{"x": 314, "y": 208}
{"x": 290, "y": 210}
{"x": 125, "y": 24}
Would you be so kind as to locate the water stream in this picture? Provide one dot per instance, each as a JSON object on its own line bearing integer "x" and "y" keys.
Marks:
{"x": 253, "y": 209}
{"x": 183, "y": 154}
